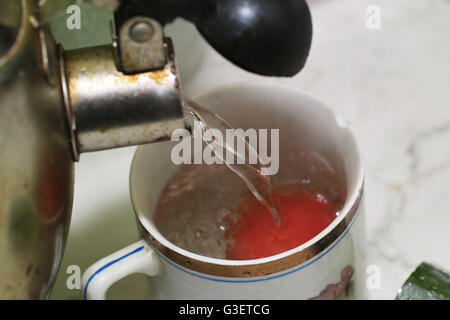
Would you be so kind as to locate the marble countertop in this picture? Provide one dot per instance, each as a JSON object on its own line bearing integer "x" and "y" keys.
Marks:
{"x": 393, "y": 84}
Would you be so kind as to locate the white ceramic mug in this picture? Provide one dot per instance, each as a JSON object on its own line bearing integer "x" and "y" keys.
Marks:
{"x": 329, "y": 265}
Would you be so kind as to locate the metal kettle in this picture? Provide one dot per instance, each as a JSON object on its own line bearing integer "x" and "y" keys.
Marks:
{"x": 56, "y": 104}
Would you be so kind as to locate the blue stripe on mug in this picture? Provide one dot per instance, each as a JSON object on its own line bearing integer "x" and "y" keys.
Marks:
{"x": 107, "y": 266}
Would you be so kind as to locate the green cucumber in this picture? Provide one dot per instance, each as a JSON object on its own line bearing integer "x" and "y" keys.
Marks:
{"x": 426, "y": 283}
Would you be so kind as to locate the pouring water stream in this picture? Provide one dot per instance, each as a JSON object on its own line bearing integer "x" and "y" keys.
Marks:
{"x": 258, "y": 184}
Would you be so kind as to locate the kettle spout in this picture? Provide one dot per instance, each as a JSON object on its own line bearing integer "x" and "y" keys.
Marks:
{"x": 124, "y": 94}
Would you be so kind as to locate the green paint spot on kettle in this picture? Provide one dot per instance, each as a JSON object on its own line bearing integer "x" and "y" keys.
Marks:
{"x": 21, "y": 221}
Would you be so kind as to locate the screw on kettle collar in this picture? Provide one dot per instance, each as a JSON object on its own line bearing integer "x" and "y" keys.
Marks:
{"x": 141, "y": 45}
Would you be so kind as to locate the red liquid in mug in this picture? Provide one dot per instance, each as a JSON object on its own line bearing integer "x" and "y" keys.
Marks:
{"x": 254, "y": 234}
{"x": 208, "y": 210}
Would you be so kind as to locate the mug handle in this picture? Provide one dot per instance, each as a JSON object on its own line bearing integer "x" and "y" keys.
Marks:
{"x": 136, "y": 258}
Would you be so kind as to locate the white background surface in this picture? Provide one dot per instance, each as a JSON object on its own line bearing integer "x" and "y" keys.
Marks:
{"x": 393, "y": 84}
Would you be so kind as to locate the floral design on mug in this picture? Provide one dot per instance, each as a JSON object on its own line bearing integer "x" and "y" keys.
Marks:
{"x": 333, "y": 291}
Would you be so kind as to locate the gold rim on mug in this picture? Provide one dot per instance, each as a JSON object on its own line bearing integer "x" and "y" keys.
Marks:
{"x": 296, "y": 257}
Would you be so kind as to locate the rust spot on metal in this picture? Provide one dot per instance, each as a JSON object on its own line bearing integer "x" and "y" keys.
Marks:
{"x": 133, "y": 78}
{"x": 158, "y": 76}
{"x": 103, "y": 129}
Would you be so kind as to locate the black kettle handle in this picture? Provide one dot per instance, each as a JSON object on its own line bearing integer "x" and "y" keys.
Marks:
{"x": 268, "y": 37}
